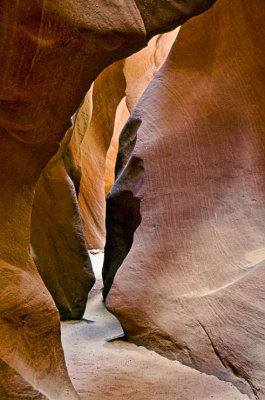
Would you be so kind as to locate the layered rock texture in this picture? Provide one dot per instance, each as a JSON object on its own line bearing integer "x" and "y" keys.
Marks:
{"x": 51, "y": 52}
{"x": 58, "y": 246}
{"x": 126, "y": 78}
{"x": 138, "y": 71}
{"x": 108, "y": 91}
{"x": 89, "y": 149}
{"x": 185, "y": 216}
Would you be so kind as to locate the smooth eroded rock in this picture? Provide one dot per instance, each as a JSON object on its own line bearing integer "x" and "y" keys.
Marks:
{"x": 192, "y": 158}
{"x": 57, "y": 241}
{"x": 51, "y": 52}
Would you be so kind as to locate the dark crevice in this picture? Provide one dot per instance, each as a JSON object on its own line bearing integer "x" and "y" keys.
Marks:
{"x": 213, "y": 346}
{"x": 123, "y": 217}
{"x": 123, "y": 204}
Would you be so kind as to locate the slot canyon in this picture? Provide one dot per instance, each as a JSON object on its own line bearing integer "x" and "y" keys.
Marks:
{"x": 132, "y": 199}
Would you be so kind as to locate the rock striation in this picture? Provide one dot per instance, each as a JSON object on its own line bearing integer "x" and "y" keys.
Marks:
{"x": 185, "y": 216}
{"x": 139, "y": 69}
{"x": 51, "y": 52}
{"x": 108, "y": 90}
{"x": 126, "y": 78}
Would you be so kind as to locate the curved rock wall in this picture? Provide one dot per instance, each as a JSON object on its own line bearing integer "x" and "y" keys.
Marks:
{"x": 58, "y": 246}
{"x": 122, "y": 115}
{"x": 51, "y": 52}
{"x": 129, "y": 78}
{"x": 139, "y": 70}
{"x": 192, "y": 285}
{"x": 108, "y": 91}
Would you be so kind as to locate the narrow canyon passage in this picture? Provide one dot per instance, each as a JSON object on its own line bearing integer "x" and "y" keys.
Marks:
{"x": 103, "y": 369}
{"x": 137, "y": 125}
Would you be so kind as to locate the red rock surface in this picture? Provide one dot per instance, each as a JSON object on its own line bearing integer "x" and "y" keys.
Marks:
{"x": 140, "y": 68}
{"x": 191, "y": 169}
{"x": 128, "y": 78}
{"x": 57, "y": 243}
{"x": 108, "y": 90}
{"x": 46, "y": 69}
{"x": 122, "y": 114}
{"x": 59, "y": 249}
{"x": 51, "y": 52}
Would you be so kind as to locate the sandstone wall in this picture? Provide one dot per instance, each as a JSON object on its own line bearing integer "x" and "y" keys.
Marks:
{"x": 51, "y": 52}
{"x": 128, "y": 78}
{"x": 190, "y": 177}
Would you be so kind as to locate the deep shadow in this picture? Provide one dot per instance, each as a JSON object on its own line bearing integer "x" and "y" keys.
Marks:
{"x": 123, "y": 205}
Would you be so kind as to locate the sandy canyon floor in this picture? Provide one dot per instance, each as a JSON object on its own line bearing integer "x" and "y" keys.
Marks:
{"x": 103, "y": 369}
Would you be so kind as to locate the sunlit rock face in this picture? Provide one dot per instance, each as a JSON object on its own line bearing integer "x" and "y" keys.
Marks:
{"x": 121, "y": 117}
{"x": 108, "y": 90}
{"x": 191, "y": 168}
{"x": 138, "y": 71}
{"x": 127, "y": 78}
{"x": 84, "y": 167}
{"x": 51, "y": 52}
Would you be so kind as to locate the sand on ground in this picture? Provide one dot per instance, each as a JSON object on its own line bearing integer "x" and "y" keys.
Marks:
{"x": 102, "y": 369}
